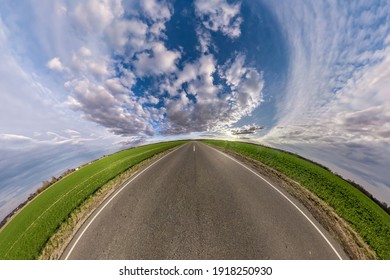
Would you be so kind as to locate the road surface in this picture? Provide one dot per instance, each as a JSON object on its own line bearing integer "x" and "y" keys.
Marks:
{"x": 198, "y": 203}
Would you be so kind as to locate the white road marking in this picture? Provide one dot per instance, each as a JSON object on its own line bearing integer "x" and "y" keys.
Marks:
{"x": 275, "y": 188}
{"x": 104, "y": 206}
{"x": 194, "y": 148}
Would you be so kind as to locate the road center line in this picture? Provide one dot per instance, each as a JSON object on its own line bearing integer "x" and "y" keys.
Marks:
{"x": 194, "y": 148}
{"x": 275, "y": 188}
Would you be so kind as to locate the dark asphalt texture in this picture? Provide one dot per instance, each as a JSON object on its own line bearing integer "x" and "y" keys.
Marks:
{"x": 196, "y": 203}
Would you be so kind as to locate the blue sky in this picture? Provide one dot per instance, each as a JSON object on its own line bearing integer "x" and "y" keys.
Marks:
{"x": 80, "y": 79}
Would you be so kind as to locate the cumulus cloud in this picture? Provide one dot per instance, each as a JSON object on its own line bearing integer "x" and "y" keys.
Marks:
{"x": 205, "y": 41}
{"x": 89, "y": 64}
{"x": 235, "y": 71}
{"x": 246, "y": 84}
{"x": 119, "y": 113}
{"x": 157, "y": 29}
{"x": 127, "y": 34}
{"x": 219, "y": 15}
{"x": 159, "y": 61}
{"x": 55, "y": 64}
{"x": 96, "y": 15}
{"x": 156, "y": 10}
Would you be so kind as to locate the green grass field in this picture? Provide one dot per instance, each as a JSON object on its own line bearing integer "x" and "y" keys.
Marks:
{"x": 365, "y": 216}
{"x": 26, "y": 234}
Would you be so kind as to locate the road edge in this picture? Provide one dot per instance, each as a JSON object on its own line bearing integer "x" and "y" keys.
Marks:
{"x": 60, "y": 240}
{"x": 351, "y": 242}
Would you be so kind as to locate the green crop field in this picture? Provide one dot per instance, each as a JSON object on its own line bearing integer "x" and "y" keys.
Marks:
{"x": 365, "y": 216}
{"x": 26, "y": 234}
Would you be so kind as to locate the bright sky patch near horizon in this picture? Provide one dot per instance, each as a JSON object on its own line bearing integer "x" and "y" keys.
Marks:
{"x": 80, "y": 79}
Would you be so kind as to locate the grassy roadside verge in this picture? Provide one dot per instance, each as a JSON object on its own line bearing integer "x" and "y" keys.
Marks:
{"x": 26, "y": 234}
{"x": 370, "y": 221}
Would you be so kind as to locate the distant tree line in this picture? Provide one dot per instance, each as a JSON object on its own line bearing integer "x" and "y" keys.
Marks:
{"x": 381, "y": 204}
{"x": 44, "y": 186}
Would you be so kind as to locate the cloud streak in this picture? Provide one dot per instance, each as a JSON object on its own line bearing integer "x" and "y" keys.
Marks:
{"x": 340, "y": 74}
{"x": 337, "y": 92}
{"x": 246, "y": 130}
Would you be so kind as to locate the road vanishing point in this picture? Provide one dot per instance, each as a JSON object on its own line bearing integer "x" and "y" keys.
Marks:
{"x": 199, "y": 203}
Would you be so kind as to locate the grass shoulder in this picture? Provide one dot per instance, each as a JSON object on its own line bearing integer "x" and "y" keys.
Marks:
{"x": 369, "y": 221}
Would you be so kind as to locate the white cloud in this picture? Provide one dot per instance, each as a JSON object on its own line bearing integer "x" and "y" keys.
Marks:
{"x": 55, "y": 64}
{"x": 246, "y": 84}
{"x": 16, "y": 141}
{"x": 14, "y": 137}
{"x": 153, "y": 100}
{"x": 96, "y": 15}
{"x": 85, "y": 52}
{"x": 246, "y": 129}
{"x": 118, "y": 112}
{"x": 86, "y": 63}
{"x": 219, "y": 15}
{"x": 234, "y": 73}
{"x": 115, "y": 86}
{"x": 99, "y": 69}
{"x": 159, "y": 61}
{"x": 205, "y": 41}
{"x": 127, "y": 34}
{"x": 71, "y": 132}
{"x": 157, "y": 29}
{"x": 156, "y": 10}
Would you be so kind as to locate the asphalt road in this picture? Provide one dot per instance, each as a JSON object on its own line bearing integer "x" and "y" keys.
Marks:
{"x": 198, "y": 203}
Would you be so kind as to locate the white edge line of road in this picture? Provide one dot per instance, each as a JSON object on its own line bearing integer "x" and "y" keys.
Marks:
{"x": 281, "y": 193}
{"x": 111, "y": 198}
